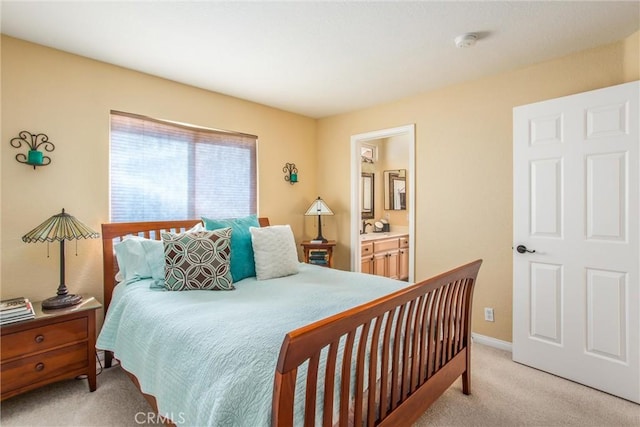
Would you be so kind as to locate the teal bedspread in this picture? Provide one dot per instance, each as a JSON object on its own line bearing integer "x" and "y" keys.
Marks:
{"x": 209, "y": 357}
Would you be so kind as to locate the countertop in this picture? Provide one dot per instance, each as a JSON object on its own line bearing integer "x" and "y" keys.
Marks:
{"x": 375, "y": 236}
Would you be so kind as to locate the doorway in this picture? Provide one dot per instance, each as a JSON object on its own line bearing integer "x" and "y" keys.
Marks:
{"x": 365, "y": 140}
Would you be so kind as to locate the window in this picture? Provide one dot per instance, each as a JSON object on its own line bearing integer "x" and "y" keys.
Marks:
{"x": 166, "y": 171}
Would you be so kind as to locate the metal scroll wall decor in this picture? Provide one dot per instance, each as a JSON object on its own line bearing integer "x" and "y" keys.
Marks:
{"x": 35, "y": 142}
{"x": 291, "y": 173}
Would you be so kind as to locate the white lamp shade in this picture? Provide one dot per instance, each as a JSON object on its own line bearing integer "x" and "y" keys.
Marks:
{"x": 319, "y": 207}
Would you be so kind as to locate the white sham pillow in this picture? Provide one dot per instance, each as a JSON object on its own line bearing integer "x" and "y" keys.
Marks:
{"x": 274, "y": 251}
{"x": 131, "y": 257}
{"x": 140, "y": 258}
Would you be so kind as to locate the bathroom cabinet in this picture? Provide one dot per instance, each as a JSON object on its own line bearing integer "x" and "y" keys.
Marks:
{"x": 386, "y": 256}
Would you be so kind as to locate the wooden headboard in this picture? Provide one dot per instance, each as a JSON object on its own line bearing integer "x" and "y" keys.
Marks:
{"x": 115, "y": 232}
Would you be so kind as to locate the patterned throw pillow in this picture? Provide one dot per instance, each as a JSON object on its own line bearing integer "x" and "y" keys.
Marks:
{"x": 198, "y": 260}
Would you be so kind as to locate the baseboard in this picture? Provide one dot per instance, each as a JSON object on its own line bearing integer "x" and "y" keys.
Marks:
{"x": 491, "y": 342}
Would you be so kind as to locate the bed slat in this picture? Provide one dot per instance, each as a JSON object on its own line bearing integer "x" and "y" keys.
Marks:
{"x": 360, "y": 374}
{"x": 329, "y": 381}
{"x": 373, "y": 372}
{"x": 310, "y": 394}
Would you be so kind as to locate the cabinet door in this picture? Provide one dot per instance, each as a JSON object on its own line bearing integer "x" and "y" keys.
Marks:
{"x": 366, "y": 264}
{"x": 393, "y": 264}
{"x": 380, "y": 264}
{"x": 404, "y": 264}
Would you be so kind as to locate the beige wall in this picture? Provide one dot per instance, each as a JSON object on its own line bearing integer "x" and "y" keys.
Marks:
{"x": 69, "y": 97}
{"x": 396, "y": 156}
{"x": 464, "y": 165}
{"x": 631, "y": 46}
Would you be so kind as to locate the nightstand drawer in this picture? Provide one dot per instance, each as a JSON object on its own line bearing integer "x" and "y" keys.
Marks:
{"x": 41, "y": 366}
{"x": 43, "y": 338}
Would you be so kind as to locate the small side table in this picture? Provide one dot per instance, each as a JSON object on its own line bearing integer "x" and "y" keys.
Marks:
{"x": 55, "y": 345}
{"x": 318, "y": 253}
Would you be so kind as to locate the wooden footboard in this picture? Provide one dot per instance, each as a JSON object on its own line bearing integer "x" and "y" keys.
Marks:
{"x": 384, "y": 362}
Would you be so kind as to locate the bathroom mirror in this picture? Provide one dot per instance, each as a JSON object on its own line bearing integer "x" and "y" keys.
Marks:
{"x": 366, "y": 190}
{"x": 395, "y": 190}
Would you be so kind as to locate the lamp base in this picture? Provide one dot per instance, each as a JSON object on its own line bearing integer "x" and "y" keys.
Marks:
{"x": 61, "y": 301}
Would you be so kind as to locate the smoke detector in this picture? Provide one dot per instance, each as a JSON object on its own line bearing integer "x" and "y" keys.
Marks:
{"x": 466, "y": 40}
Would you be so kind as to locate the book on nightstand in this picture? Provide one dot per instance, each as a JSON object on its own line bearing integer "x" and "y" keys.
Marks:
{"x": 318, "y": 257}
{"x": 13, "y": 303}
{"x": 16, "y": 310}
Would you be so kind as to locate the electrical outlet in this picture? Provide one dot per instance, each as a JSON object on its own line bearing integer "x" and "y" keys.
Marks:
{"x": 488, "y": 314}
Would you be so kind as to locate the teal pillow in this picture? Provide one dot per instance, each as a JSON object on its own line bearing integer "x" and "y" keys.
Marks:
{"x": 242, "y": 262}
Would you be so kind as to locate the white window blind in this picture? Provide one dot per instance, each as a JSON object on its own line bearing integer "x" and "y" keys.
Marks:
{"x": 165, "y": 171}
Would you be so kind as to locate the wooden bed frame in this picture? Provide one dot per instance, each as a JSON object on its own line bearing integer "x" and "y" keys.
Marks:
{"x": 418, "y": 339}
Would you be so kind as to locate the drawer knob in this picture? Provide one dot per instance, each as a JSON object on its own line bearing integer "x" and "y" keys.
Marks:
{"x": 39, "y": 338}
{"x": 39, "y": 366}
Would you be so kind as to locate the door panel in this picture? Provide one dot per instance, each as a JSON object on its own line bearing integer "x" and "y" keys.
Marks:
{"x": 606, "y": 314}
{"x": 576, "y": 296}
{"x": 546, "y": 197}
{"x": 606, "y": 196}
{"x": 546, "y": 308}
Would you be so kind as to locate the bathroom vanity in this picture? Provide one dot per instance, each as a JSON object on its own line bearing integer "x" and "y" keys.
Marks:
{"x": 385, "y": 254}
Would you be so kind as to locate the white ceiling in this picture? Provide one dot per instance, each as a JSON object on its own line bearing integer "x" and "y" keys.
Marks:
{"x": 320, "y": 58}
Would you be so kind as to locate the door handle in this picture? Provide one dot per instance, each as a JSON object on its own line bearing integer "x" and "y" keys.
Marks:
{"x": 522, "y": 249}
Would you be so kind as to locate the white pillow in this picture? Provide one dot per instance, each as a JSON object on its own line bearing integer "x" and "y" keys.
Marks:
{"x": 140, "y": 258}
{"x": 198, "y": 227}
{"x": 274, "y": 251}
{"x": 131, "y": 258}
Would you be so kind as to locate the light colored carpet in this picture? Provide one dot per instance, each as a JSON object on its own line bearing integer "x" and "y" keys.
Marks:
{"x": 504, "y": 393}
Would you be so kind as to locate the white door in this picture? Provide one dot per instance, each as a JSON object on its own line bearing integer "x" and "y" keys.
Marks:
{"x": 576, "y": 299}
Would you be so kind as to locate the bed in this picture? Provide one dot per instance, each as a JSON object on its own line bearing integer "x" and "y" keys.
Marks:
{"x": 321, "y": 347}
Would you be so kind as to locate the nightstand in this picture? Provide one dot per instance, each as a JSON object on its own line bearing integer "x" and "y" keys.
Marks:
{"x": 318, "y": 253}
{"x": 55, "y": 345}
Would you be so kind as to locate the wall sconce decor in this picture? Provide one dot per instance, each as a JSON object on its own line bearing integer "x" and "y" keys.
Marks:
{"x": 291, "y": 173}
{"x": 34, "y": 157}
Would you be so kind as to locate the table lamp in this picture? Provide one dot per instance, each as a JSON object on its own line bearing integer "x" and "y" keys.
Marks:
{"x": 60, "y": 227}
{"x": 319, "y": 207}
